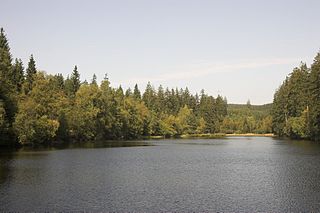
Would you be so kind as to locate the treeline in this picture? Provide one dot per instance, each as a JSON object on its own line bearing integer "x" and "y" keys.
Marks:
{"x": 247, "y": 118}
{"x": 38, "y": 108}
{"x": 296, "y": 105}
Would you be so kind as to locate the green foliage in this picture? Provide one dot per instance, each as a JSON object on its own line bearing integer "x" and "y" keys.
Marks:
{"x": 136, "y": 92}
{"x": 201, "y": 126}
{"x": 17, "y": 74}
{"x": 133, "y": 117}
{"x": 3, "y": 121}
{"x": 149, "y": 97}
{"x": 57, "y": 81}
{"x": 5, "y": 57}
{"x": 37, "y": 119}
{"x": 35, "y": 131}
{"x": 41, "y": 108}
{"x": 30, "y": 73}
{"x": 314, "y": 122}
{"x": 167, "y": 125}
{"x": 8, "y": 96}
{"x": 72, "y": 84}
{"x": 94, "y": 79}
{"x": 296, "y": 127}
{"x": 83, "y": 115}
{"x": 296, "y": 106}
{"x": 186, "y": 121}
{"x": 208, "y": 110}
{"x": 247, "y": 119}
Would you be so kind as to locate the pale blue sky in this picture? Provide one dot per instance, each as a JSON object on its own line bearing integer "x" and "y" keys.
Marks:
{"x": 239, "y": 49}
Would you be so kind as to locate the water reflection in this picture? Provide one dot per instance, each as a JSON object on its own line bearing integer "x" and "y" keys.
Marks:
{"x": 5, "y": 158}
{"x": 11, "y": 156}
{"x": 234, "y": 174}
{"x": 303, "y": 146}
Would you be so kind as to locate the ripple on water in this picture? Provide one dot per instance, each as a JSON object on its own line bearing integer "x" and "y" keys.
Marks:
{"x": 234, "y": 174}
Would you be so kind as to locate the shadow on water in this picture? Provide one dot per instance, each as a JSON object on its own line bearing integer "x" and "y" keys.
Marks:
{"x": 306, "y": 145}
{"x": 8, "y": 155}
{"x": 5, "y": 158}
{"x": 85, "y": 145}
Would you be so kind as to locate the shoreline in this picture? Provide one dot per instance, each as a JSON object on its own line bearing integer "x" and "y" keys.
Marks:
{"x": 155, "y": 137}
{"x": 210, "y": 136}
{"x": 250, "y": 135}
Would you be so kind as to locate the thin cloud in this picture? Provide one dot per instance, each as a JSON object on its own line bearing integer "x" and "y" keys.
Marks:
{"x": 203, "y": 69}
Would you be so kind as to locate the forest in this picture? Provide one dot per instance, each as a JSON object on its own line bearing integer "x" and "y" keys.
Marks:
{"x": 296, "y": 105}
{"x": 41, "y": 108}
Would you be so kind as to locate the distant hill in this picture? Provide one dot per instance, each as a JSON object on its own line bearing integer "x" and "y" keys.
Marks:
{"x": 261, "y": 108}
{"x": 244, "y": 118}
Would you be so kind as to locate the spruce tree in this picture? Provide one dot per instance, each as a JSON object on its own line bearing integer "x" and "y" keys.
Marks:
{"x": 7, "y": 93}
{"x": 75, "y": 79}
{"x": 94, "y": 79}
{"x": 315, "y": 98}
{"x": 18, "y": 74}
{"x": 119, "y": 95}
{"x": 148, "y": 96}
{"x": 58, "y": 81}
{"x": 30, "y": 72}
{"x": 136, "y": 92}
{"x": 128, "y": 93}
{"x": 160, "y": 99}
{"x": 5, "y": 58}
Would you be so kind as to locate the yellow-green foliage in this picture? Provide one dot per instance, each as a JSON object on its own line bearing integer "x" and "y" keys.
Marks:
{"x": 37, "y": 118}
{"x": 247, "y": 119}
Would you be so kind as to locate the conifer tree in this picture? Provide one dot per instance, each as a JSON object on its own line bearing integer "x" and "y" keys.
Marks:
{"x": 136, "y": 92}
{"x": 315, "y": 98}
{"x": 75, "y": 80}
{"x": 30, "y": 72}
{"x": 94, "y": 79}
{"x": 58, "y": 81}
{"x": 148, "y": 96}
{"x": 128, "y": 93}
{"x": 119, "y": 95}
{"x": 5, "y": 57}
{"x": 8, "y": 99}
{"x": 160, "y": 99}
{"x": 18, "y": 74}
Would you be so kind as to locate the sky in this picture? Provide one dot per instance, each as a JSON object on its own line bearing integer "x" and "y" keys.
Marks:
{"x": 242, "y": 50}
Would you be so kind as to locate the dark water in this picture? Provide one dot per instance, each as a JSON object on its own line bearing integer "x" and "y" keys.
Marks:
{"x": 234, "y": 174}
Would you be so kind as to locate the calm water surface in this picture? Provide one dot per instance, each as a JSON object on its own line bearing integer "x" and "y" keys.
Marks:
{"x": 233, "y": 174}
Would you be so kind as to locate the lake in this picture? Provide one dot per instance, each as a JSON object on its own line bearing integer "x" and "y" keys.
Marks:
{"x": 199, "y": 175}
